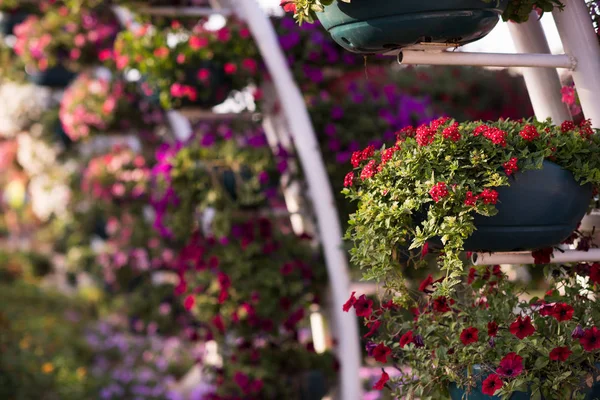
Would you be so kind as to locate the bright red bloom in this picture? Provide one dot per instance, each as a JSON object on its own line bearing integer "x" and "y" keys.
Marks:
{"x": 497, "y": 136}
{"x": 230, "y": 68}
{"x": 472, "y": 274}
{"x": 288, "y": 6}
{"x": 510, "y": 167}
{"x": 489, "y": 196}
{"x": 426, "y": 283}
{"x": 452, "y": 132}
{"x": 491, "y": 384}
{"x": 197, "y": 43}
{"x": 425, "y": 135}
{"x": 439, "y": 191}
{"x": 363, "y": 306}
{"x": 567, "y": 126}
{"x": 481, "y": 129}
{"x": 189, "y": 302}
{"x": 349, "y": 179}
{"x": 469, "y": 335}
{"x": 511, "y": 365}
{"x": 381, "y": 353}
{"x": 161, "y": 52}
{"x": 522, "y": 327}
{"x": 590, "y": 340}
{"x": 492, "y": 329}
{"x": 356, "y": 158}
{"x": 562, "y": 312}
{"x": 369, "y": 170}
{"x": 407, "y": 338}
{"x": 350, "y": 303}
{"x": 380, "y": 384}
{"x": 529, "y": 133}
{"x": 372, "y": 329}
{"x": 440, "y": 304}
{"x": 560, "y": 353}
{"x": 471, "y": 199}
{"x": 435, "y": 124}
{"x": 368, "y": 152}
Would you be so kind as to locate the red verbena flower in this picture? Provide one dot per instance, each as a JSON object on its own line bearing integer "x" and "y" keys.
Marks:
{"x": 363, "y": 306}
{"x": 368, "y": 152}
{"x": 435, "y": 124}
{"x": 511, "y": 365}
{"x": 590, "y": 340}
{"x": 349, "y": 179}
{"x": 451, "y": 132}
{"x": 469, "y": 335}
{"x": 529, "y": 133}
{"x": 560, "y": 354}
{"x": 356, "y": 158}
{"x": 381, "y": 353}
{"x": 492, "y": 328}
{"x": 380, "y": 384}
{"x": 510, "y": 167}
{"x": 438, "y": 191}
{"x": 489, "y": 196}
{"x": 407, "y": 338}
{"x": 567, "y": 126}
{"x": 481, "y": 129}
{"x": 425, "y": 135}
{"x": 471, "y": 199}
{"x": 351, "y": 301}
{"x": 562, "y": 312}
{"x": 522, "y": 327}
{"x": 369, "y": 170}
{"x": 491, "y": 384}
{"x": 497, "y": 136}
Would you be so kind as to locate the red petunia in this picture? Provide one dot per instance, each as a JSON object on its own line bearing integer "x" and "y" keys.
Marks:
{"x": 491, "y": 384}
{"x": 406, "y": 339}
{"x": 426, "y": 283}
{"x": 469, "y": 335}
{"x": 595, "y": 273}
{"x": 562, "y": 312}
{"x": 440, "y": 304}
{"x": 372, "y": 329}
{"x": 380, "y": 384}
{"x": 363, "y": 306}
{"x": 522, "y": 327}
{"x": 590, "y": 340}
{"x": 351, "y": 301}
{"x": 472, "y": 274}
{"x": 492, "y": 329}
{"x": 511, "y": 365}
{"x": 381, "y": 353}
{"x": 560, "y": 353}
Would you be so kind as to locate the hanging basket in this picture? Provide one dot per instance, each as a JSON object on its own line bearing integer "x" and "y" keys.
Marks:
{"x": 211, "y": 92}
{"x": 378, "y": 26}
{"x": 57, "y": 77}
{"x": 476, "y": 393}
{"x": 540, "y": 208}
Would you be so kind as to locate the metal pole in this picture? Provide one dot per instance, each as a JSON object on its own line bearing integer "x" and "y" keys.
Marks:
{"x": 579, "y": 40}
{"x": 320, "y": 192}
{"x": 543, "y": 84}
{"x": 485, "y": 59}
{"x": 559, "y": 257}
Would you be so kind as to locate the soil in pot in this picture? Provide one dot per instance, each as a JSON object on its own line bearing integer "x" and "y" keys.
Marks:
{"x": 378, "y": 26}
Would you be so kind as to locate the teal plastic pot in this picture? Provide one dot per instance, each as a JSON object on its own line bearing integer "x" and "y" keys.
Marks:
{"x": 377, "y": 26}
{"x": 539, "y": 209}
{"x": 54, "y": 77}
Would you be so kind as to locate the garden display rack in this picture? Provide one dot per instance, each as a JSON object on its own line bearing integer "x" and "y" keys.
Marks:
{"x": 292, "y": 125}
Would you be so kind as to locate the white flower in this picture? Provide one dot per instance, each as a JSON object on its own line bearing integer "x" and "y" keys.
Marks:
{"x": 35, "y": 156}
{"x": 20, "y": 105}
{"x": 49, "y": 196}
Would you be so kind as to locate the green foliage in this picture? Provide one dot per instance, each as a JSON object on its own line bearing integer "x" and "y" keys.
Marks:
{"x": 397, "y": 210}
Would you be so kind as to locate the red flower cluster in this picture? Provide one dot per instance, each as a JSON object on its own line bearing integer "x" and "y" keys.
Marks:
{"x": 362, "y": 305}
{"x": 349, "y": 179}
{"x": 496, "y": 135}
{"x": 452, "y": 132}
{"x": 585, "y": 128}
{"x": 471, "y": 199}
{"x": 481, "y": 129}
{"x": 489, "y": 196}
{"x": 567, "y": 126}
{"x": 387, "y": 155}
{"x": 510, "y": 167}
{"x": 360, "y": 156}
{"x": 469, "y": 335}
{"x": 529, "y": 133}
{"x": 439, "y": 191}
{"x": 425, "y": 135}
{"x": 439, "y": 122}
{"x": 369, "y": 170}
{"x": 522, "y": 327}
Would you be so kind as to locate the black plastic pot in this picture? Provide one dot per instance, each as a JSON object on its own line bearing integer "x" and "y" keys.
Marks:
{"x": 54, "y": 77}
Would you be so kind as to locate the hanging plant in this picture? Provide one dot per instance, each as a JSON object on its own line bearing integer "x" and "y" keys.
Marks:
{"x": 190, "y": 67}
{"x": 499, "y": 186}
{"x": 92, "y": 106}
{"x": 73, "y": 37}
{"x": 255, "y": 284}
{"x": 380, "y": 26}
{"x": 485, "y": 340}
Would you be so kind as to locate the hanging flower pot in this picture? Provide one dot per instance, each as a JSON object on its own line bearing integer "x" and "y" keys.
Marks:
{"x": 378, "y": 26}
{"x": 57, "y": 77}
{"x": 539, "y": 209}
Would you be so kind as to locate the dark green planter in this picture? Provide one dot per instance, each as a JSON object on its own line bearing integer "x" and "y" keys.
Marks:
{"x": 539, "y": 209}
{"x": 457, "y": 393}
{"x": 377, "y": 26}
{"x": 313, "y": 386}
{"x": 8, "y": 21}
{"x": 54, "y": 77}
